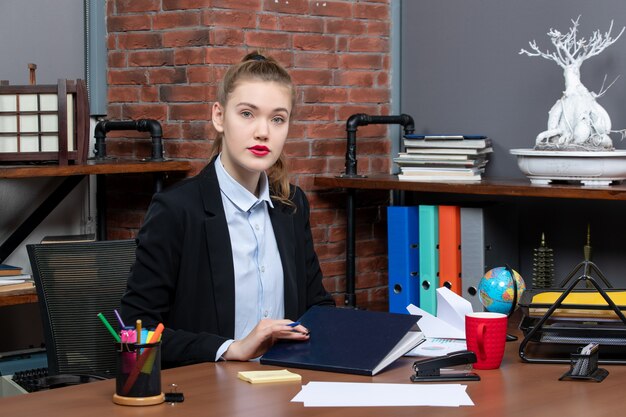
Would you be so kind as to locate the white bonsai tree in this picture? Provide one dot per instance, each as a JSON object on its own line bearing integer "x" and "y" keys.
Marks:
{"x": 576, "y": 121}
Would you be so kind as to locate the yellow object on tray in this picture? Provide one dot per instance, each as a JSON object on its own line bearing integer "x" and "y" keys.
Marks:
{"x": 263, "y": 377}
{"x": 586, "y": 302}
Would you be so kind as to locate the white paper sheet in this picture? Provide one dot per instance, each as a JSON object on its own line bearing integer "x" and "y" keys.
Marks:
{"x": 435, "y": 346}
{"x": 353, "y": 394}
{"x": 433, "y": 326}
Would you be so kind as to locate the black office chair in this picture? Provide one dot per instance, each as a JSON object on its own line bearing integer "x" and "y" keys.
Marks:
{"x": 75, "y": 282}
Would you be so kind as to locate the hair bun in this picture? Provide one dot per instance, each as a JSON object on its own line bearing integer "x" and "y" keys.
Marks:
{"x": 257, "y": 57}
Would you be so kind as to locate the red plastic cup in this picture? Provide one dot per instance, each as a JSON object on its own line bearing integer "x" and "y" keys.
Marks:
{"x": 485, "y": 334}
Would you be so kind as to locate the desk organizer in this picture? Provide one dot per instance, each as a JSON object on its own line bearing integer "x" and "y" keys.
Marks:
{"x": 44, "y": 122}
{"x": 585, "y": 367}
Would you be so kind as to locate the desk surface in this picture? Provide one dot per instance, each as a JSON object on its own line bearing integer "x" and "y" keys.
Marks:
{"x": 107, "y": 166}
{"x": 516, "y": 389}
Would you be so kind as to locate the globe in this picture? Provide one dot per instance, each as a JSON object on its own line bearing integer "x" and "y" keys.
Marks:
{"x": 496, "y": 291}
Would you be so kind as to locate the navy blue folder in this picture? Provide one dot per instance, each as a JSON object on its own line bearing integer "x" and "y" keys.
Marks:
{"x": 348, "y": 341}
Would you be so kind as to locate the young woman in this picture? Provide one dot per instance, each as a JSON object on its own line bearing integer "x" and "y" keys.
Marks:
{"x": 225, "y": 259}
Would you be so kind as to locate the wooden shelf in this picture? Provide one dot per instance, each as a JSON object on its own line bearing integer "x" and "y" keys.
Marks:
{"x": 489, "y": 187}
{"x": 9, "y": 297}
{"x": 92, "y": 167}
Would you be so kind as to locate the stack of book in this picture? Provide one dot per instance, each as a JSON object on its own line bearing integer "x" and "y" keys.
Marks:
{"x": 443, "y": 157}
{"x": 12, "y": 276}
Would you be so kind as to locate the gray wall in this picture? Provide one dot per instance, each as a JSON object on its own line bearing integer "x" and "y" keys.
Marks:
{"x": 49, "y": 33}
{"x": 461, "y": 73}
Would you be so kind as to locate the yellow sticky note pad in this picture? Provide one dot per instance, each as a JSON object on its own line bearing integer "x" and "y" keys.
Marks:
{"x": 263, "y": 377}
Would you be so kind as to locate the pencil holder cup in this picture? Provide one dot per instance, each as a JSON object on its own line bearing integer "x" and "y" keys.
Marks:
{"x": 138, "y": 374}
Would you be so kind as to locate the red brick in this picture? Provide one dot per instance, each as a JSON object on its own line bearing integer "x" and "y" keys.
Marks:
{"x": 229, "y": 18}
{"x": 355, "y": 78}
{"x": 301, "y": 24}
{"x": 296, "y": 131}
{"x": 330, "y": 251}
{"x": 187, "y": 149}
{"x": 186, "y": 56}
{"x": 331, "y": 8}
{"x": 114, "y": 111}
{"x": 197, "y": 130}
{"x": 139, "y": 40}
{"x": 152, "y": 58}
{"x": 345, "y": 27}
{"x": 344, "y": 112}
{"x": 361, "y": 61}
{"x": 369, "y": 95}
{"x": 185, "y": 4}
{"x": 315, "y": 113}
{"x": 378, "y": 28}
{"x": 267, "y": 39}
{"x": 175, "y": 20}
{"x": 316, "y": 60}
{"x": 307, "y": 166}
{"x": 328, "y": 147}
{"x": 128, "y": 23}
{"x": 122, "y": 94}
{"x": 239, "y": 4}
{"x": 326, "y": 131}
{"x": 130, "y": 6}
{"x": 382, "y": 79}
{"x": 296, "y": 7}
{"x": 364, "y": 44}
{"x": 173, "y": 93}
{"x": 167, "y": 75}
{"x": 267, "y": 22}
{"x": 325, "y": 95}
{"x": 311, "y": 76}
{"x": 145, "y": 111}
{"x": 224, "y": 55}
{"x": 202, "y": 74}
{"x": 178, "y": 38}
{"x": 171, "y": 131}
{"x": 371, "y": 11}
{"x": 313, "y": 42}
{"x": 149, "y": 93}
{"x": 116, "y": 59}
{"x": 134, "y": 76}
{"x": 298, "y": 148}
{"x": 233, "y": 37}
{"x": 190, "y": 111}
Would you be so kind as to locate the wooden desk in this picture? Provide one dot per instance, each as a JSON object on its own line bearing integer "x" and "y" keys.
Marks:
{"x": 516, "y": 389}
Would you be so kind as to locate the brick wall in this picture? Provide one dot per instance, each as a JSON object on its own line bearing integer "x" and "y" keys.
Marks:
{"x": 166, "y": 57}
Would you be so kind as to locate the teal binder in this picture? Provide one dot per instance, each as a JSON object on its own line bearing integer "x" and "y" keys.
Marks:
{"x": 428, "y": 257}
{"x": 403, "y": 259}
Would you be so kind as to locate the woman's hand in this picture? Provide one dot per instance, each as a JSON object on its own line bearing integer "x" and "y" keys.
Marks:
{"x": 262, "y": 337}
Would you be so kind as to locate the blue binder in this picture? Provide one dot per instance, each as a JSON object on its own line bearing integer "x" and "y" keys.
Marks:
{"x": 403, "y": 260}
{"x": 429, "y": 257}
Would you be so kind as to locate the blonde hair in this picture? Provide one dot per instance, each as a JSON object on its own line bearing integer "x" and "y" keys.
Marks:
{"x": 255, "y": 66}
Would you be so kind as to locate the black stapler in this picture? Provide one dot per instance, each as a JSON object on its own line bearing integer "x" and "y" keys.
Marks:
{"x": 429, "y": 370}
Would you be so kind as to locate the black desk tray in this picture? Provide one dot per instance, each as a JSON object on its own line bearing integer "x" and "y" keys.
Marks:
{"x": 553, "y": 330}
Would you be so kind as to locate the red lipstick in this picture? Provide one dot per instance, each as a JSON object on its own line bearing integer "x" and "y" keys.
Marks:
{"x": 259, "y": 150}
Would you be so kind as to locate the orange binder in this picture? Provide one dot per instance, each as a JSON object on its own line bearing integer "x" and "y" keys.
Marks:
{"x": 450, "y": 248}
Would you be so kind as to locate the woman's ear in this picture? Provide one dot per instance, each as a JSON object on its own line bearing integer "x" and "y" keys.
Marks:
{"x": 217, "y": 115}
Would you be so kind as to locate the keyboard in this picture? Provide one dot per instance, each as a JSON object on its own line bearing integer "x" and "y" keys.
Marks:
{"x": 29, "y": 379}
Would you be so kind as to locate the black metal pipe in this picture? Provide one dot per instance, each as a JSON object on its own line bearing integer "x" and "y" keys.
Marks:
{"x": 354, "y": 121}
{"x": 141, "y": 125}
{"x": 361, "y": 119}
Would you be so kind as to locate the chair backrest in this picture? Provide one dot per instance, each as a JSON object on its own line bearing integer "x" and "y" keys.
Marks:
{"x": 75, "y": 282}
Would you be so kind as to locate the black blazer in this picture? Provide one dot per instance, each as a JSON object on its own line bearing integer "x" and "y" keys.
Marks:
{"x": 183, "y": 275}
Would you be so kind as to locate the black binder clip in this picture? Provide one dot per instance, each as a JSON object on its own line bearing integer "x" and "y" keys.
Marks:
{"x": 429, "y": 370}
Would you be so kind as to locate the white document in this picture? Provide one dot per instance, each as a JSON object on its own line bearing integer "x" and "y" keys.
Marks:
{"x": 356, "y": 394}
{"x": 435, "y": 346}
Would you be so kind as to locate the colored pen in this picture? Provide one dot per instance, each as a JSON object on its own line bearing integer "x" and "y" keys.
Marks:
{"x": 108, "y": 326}
{"x": 119, "y": 318}
{"x": 142, "y": 360}
{"x": 138, "y": 331}
{"x": 294, "y": 324}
